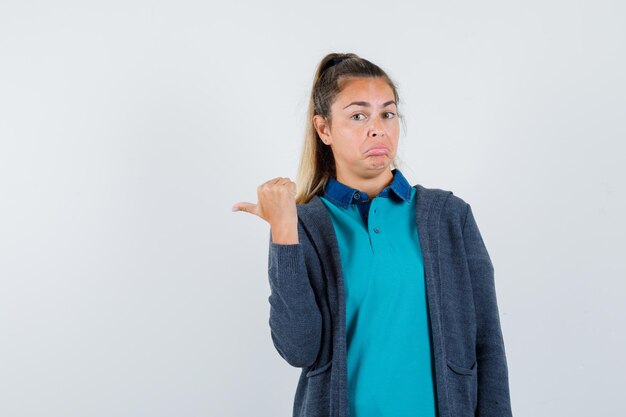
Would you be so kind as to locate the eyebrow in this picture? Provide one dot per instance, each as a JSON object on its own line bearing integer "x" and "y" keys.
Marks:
{"x": 366, "y": 104}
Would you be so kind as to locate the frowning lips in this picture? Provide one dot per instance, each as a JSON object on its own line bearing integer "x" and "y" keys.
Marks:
{"x": 378, "y": 150}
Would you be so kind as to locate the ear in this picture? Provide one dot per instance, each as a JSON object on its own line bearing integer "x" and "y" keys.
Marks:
{"x": 322, "y": 128}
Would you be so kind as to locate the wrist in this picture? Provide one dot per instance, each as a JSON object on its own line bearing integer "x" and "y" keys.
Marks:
{"x": 285, "y": 233}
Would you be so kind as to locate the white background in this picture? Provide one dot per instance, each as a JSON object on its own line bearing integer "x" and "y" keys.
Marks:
{"x": 129, "y": 128}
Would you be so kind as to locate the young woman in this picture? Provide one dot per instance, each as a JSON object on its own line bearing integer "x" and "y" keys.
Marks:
{"x": 382, "y": 292}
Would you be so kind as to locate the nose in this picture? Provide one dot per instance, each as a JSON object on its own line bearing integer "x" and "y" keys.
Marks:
{"x": 376, "y": 128}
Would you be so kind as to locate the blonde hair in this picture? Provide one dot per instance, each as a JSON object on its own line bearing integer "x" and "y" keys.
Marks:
{"x": 317, "y": 163}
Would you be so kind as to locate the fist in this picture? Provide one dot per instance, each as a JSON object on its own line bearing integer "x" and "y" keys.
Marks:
{"x": 276, "y": 202}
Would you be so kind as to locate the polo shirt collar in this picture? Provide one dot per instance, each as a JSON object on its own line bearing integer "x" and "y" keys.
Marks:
{"x": 343, "y": 195}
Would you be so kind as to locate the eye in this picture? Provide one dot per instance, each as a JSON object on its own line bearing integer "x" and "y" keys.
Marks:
{"x": 358, "y": 114}
{"x": 392, "y": 115}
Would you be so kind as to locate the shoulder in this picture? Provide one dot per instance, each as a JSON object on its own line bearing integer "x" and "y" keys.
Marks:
{"x": 451, "y": 207}
{"x": 312, "y": 208}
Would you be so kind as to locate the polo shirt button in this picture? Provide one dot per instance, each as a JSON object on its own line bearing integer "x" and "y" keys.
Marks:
{"x": 357, "y": 195}
{"x": 376, "y": 230}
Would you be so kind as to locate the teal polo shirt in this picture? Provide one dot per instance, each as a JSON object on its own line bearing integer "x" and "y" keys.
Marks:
{"x": 390, "y": 360}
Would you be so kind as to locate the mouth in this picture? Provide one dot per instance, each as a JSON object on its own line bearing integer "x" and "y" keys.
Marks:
{"x": 379, "y": 150}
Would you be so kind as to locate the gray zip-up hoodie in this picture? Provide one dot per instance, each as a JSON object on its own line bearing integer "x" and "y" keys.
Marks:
{"x": 307, "y": 311}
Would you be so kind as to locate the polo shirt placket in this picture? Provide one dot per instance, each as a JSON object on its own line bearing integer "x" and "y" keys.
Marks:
{"x": 390, "y": 359}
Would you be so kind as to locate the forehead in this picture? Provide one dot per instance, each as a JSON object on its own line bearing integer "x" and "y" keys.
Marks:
{"x": 376, "y": 91}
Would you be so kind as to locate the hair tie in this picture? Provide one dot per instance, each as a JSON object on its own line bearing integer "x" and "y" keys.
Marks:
{"x": 339, "y": 59}
{"x": 334, "y": 61}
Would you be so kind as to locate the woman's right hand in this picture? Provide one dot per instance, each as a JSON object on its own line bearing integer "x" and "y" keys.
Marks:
{"x": 277, "y": 206}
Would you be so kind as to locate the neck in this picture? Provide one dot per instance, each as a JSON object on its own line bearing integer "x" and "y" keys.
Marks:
{"x": 371, "y": 185}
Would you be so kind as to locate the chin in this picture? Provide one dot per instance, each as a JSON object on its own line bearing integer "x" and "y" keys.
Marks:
{"x": 380, "y": 165}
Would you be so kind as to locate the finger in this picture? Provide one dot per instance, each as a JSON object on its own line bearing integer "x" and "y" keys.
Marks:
{"x": 291, "y": 186}
{"x": 282, "y": 180}
{"x": 275, "y": 180}
{"x": 244, "y": 206}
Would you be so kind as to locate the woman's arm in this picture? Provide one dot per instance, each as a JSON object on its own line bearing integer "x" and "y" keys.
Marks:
{"x": 493, "y": 385}
{"x": 295, "y": 319}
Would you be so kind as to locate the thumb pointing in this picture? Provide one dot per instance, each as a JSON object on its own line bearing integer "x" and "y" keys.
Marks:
{"x": 244, "y": 206}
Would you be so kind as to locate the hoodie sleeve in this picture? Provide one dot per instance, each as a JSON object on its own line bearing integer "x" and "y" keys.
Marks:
{"x": 295, "y": 319}
{"x": 493, "y": 384}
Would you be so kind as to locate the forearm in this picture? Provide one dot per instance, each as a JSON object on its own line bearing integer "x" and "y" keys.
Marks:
{"x": 493, "y": 382}
{"x": 295, "y": 320}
